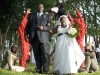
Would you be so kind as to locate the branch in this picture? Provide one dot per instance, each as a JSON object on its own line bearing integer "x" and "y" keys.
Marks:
{"x": 4, "y": 39}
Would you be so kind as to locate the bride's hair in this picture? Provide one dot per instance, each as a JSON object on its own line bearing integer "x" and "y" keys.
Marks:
{"x": 62, "y": 18}
{"x": 59, "y": 22}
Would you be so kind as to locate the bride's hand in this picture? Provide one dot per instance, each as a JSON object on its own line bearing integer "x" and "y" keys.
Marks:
{"x": 67, "y": 12}
{"x": 70, "y": 25}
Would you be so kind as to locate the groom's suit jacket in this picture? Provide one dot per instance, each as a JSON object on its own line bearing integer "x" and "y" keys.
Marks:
{"x": 32, "y": 28}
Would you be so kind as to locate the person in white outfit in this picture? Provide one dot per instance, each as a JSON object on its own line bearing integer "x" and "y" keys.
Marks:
{"x": 97, "y": 53}
{"x": 32, "y": 57}
{"x": 68, "y": 56}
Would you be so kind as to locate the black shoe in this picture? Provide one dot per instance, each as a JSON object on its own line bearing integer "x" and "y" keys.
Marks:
{"x": 45, "y": 71}
{"x": 38, "y": 71}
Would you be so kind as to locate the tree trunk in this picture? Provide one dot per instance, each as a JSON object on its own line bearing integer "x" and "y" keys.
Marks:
{"x": 10, "y": 42}
{"x": 0, "y": 45}
{"x": 19, "y": 49}
{"x": 95, "y": 23}
{"x": 16, "y": 39}
{"x": 4, "y": 38}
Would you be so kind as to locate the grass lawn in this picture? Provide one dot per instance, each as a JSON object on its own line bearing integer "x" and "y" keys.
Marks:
{"x": 31, "y": 71}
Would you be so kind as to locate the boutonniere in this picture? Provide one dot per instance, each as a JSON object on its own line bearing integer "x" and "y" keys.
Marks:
{"x": 44, "y": 17}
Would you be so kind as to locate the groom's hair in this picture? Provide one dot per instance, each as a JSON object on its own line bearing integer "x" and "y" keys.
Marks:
{"x": 40, "y": 4}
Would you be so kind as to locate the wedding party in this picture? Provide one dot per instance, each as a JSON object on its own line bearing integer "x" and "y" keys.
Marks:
{"x": 49, "y": 38}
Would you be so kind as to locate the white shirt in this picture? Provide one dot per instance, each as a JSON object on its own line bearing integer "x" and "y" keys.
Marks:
{"x": 39, "y": 13}
{"x": 97, "y": 49}
{"x": 55, "y": 9}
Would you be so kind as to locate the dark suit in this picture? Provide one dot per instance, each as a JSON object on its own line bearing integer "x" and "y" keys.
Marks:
{"x": 61, "y": 12}
{"x": 39, "y": 39}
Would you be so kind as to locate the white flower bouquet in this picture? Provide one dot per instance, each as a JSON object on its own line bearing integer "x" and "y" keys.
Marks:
{"x": 73, "y": 30}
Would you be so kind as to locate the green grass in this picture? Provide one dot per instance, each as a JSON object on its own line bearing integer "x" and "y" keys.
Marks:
{"x": 31, "y": 71}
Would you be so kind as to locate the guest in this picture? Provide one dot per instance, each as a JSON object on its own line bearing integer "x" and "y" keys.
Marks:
{"x": 32, "y": 58}
{"x": 97, "y": 53}
{"x": 91, "y": 61}
{"x": 9, "y": 60}
{"x": 58, "y": 10}
{"x": 25, "y": 46}
{"x": 61, "y": 10}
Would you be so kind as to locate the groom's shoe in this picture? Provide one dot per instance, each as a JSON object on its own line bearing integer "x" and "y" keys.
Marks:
{"x": 45, "y": 71}
{"x": 38, "y": 71}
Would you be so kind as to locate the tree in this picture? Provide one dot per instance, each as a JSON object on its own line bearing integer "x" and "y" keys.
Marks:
{"x": 9, "y": 10}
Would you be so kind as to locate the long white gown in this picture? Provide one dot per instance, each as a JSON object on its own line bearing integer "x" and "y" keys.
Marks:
{"x": 32, "y": 58}
{"x": 68, "y": 55}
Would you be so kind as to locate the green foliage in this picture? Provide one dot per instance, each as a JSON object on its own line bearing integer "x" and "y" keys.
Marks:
{"x": 90, "y": 31}
{"x": 90, "y": 12}
{"x": 7, "y": 9}
{"x": 93, "y": 31}
{"x": 34, "y": 4}
{"x": 17, "y": 7}
{"x": 88, "y": 8}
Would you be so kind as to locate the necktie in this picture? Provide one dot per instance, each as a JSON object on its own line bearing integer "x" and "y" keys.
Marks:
{"x": 38, "y": 15}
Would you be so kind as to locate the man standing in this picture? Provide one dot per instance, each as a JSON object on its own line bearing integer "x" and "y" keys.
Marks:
{"x": 58, "y": 10}
{"x": 38, "y": 32}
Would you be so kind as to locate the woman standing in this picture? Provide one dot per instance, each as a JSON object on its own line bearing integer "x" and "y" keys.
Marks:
{"x": 23, "y": 44}
{"x": 68, "y": 55}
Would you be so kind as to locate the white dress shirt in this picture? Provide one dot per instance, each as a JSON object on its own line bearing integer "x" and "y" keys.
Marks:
{"x": 97, "y": 49}
{"x": 54, "y": 9}
{"x": 39, "y": 14}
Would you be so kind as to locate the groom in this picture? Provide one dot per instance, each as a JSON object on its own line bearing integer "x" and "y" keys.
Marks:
{"x": 38, "y": 32}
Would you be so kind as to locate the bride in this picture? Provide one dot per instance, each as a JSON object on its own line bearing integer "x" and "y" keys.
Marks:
{"x": 68, "y": 55}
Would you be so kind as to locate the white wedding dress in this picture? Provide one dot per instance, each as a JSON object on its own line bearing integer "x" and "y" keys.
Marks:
{"x": 68, "y": 55}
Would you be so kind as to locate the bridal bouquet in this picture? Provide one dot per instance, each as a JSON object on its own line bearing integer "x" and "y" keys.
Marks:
{"x": 73, "y": 30}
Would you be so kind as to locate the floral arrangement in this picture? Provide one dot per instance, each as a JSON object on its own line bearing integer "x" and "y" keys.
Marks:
{"x": 73, "y": 30}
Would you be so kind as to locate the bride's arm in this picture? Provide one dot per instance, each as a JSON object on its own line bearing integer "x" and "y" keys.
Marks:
{"x": 54, "y": 31}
